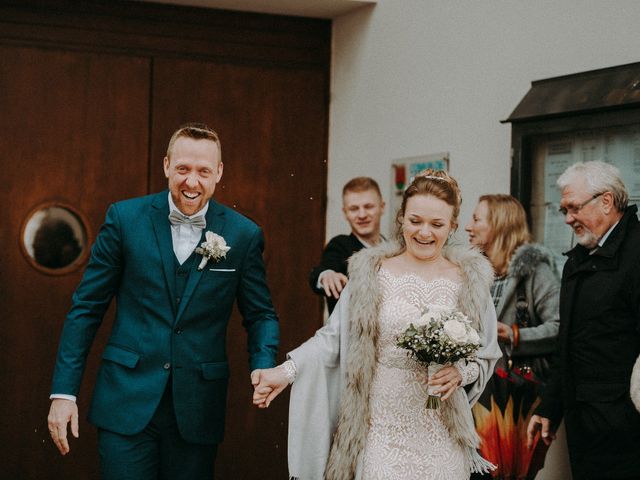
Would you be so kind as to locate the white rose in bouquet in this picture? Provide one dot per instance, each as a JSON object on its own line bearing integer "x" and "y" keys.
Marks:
{"x": 472, "y": 336}
{"x": 455, "y": 330}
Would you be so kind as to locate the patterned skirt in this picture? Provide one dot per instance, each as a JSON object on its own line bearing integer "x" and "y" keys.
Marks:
{"x": 501, "y": 416}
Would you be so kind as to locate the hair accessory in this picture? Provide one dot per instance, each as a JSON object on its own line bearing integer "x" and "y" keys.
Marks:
{"x": 433, "y": 177}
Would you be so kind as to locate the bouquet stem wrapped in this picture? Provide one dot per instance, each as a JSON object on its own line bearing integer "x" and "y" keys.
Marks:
{"x": 433, "y": 400}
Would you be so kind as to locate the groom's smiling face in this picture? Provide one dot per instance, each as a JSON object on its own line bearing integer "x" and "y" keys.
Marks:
{"x": 193, "y": 169}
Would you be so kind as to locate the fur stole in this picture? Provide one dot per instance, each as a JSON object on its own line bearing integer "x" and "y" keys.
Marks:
{"x": 527, "y": 258}
{"x": 350, "y": 437}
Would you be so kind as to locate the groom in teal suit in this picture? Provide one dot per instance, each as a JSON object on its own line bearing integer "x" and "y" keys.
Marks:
{"x": 160, "y": 394}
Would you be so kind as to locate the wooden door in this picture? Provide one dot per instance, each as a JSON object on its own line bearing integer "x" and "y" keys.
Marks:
{"x": 74, "y": 131}
{"x": 90, "y": 93}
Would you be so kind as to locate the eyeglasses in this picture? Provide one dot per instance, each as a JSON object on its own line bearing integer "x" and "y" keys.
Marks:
{"x": 575, "y": 210}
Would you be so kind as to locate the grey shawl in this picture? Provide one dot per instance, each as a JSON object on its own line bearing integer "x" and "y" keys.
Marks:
{"x": 329, "y": 404}
{"x": 635, "y": 384}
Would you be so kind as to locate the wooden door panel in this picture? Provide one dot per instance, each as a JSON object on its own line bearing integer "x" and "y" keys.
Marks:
{"x": 272, "y": 124}
{"x": 79, "y": 124}
{"x": 73, "y": 128}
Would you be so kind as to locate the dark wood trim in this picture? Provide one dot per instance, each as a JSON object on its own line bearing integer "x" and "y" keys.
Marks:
{"x": 607, "y": 89}
{"x": 168, "y": 30}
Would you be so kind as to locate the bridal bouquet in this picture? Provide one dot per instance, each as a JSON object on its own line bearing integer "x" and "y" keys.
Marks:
{"x": 442, "y": 337}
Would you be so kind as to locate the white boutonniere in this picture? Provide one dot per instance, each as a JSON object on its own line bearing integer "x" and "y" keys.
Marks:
{"x": 213, "y": 248}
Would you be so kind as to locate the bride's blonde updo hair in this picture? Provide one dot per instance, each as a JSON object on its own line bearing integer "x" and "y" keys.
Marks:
{"x": 432, "y": 182}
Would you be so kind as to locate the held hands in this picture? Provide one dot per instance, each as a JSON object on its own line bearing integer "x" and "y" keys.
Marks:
{"x": 61, "y": 413}
{"x": 333, "y": 283}
{"x": 542, "y": 425}
{"x": 448, "y": 379}
{"x": 267, "y": 385}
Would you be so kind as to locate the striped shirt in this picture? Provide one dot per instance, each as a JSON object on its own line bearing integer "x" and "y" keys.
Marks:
{"x": 496, "y": 290}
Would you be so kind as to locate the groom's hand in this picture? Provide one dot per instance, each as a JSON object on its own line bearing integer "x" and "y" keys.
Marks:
{"x": 61, "y": 413}
{"x": 267, "y": 385}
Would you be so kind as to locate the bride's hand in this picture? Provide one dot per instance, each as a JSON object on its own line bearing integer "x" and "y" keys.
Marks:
{"x": 267, "y": 385}
{"x": 447, "y": 379}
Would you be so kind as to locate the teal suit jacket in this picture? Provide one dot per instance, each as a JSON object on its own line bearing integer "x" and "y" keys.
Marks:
{"x": 155, "y": 337}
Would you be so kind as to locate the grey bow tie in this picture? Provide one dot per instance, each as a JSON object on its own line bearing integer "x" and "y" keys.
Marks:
{"x": 177, "y": 218}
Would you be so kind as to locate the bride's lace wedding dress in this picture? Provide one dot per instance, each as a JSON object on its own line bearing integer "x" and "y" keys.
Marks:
{"x": 407, "y": 441}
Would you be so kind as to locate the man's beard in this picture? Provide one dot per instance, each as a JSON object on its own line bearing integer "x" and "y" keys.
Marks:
{"x": 587, "y": 238}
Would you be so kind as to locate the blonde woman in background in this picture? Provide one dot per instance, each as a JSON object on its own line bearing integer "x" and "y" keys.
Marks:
{"x": 525, "y": 294}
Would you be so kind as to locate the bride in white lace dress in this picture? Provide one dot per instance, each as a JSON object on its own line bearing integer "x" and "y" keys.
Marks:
{"x": 406, "y": 441}
{"x": 357, "y": 407}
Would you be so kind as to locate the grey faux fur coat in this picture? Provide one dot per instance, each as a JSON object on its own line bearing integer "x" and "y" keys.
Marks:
{"x": 536, "y": 266}
{"x": 329, "y": 405}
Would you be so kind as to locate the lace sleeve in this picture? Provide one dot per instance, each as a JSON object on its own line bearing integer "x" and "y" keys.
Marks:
{"x": 290, "y": 370}
{"x": 468, "y": 370}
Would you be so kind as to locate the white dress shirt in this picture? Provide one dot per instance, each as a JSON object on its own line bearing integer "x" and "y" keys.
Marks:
{"x": 603, "y": 239}
{"x": 185, "y": 237}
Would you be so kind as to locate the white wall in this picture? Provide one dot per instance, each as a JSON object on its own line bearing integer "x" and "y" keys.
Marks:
{"x": 413, "y": 77}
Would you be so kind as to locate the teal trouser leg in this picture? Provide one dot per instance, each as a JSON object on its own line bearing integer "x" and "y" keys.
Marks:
{"x": 156, "y": 453}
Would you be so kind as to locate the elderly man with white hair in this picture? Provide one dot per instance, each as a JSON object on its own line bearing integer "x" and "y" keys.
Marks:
{"x": 599, "y": 337}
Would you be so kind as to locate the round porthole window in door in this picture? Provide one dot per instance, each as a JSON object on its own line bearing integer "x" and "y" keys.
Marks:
{"x": 54, "y": 238}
